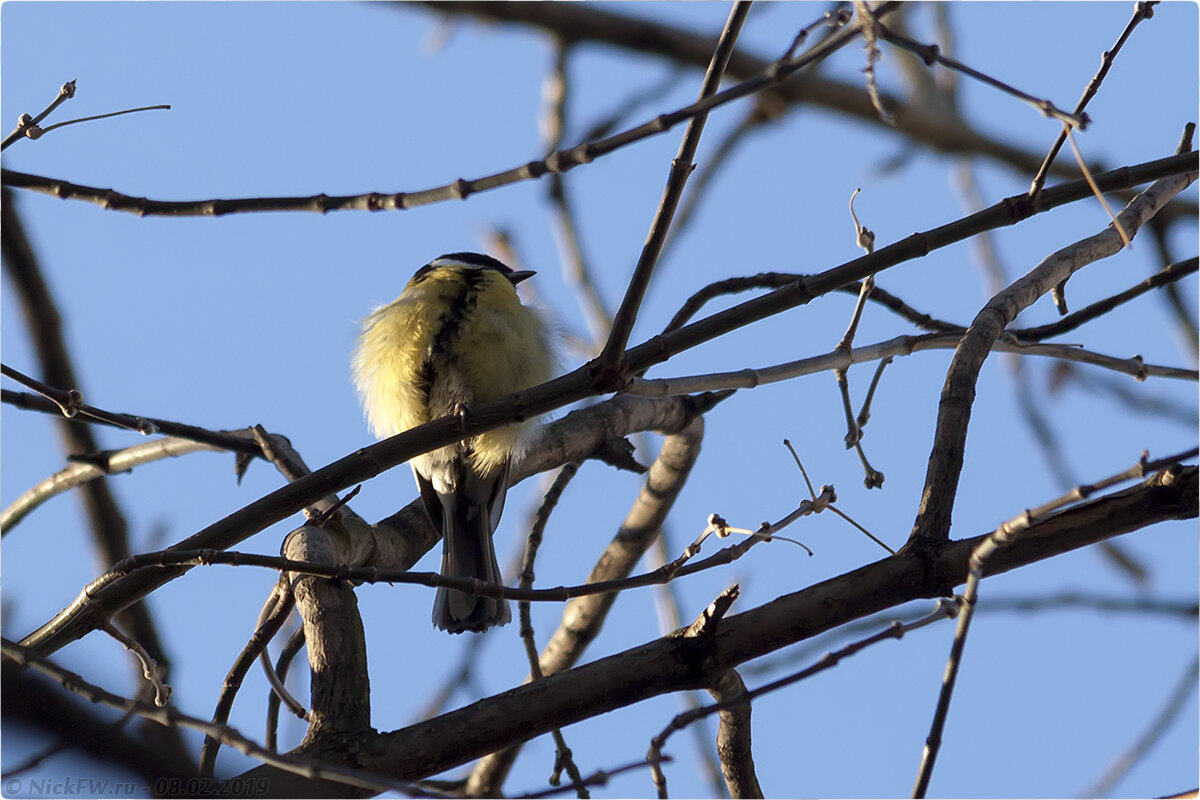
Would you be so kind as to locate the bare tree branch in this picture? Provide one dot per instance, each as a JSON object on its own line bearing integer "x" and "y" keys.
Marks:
{"x": 750, "y": 378}
{"x": 1141, "y": 11}
{"x": 78, "y": 474}
{"x": 733, "y": 736}
{"x": 274, "y": 612}
{"x": 954, "y": 411}
{"x": 559, "y": 161}
{"x": 28, "y": 123}
{"x": 934, "y": 127}
{"x": 668, "y": 664}
{"x": 609, "y": 369}
{"x": 989, "y": 547}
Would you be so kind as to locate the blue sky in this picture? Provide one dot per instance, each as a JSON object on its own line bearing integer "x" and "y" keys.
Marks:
{"x": 250, "y": 319}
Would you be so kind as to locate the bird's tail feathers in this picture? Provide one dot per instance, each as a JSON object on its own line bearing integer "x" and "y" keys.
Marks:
{"x": 467, "y": 552}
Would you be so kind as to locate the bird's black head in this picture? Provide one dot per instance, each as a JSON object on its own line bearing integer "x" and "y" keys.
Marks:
{"x": 474, "y": 261}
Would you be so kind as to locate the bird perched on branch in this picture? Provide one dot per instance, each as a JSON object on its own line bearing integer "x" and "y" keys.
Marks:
{"x": 457, "y": 336}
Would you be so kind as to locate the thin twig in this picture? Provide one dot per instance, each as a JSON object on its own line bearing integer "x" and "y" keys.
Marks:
{"x": 562, "y": 753}
{"x": 278, "y": 689}
{"x": 598, "y": 778}
{"x": 777, "y": 280}
{"x": 826, "y": 500}
{"x": 830, "y": 19}
{"x": 167, "y": 559}
{"x": 608, "y": 368}
{"x": 1101, "y": 307}
{"x": 865, "y": 238}
{"x": 559, "y": 161}
{"x": 289, "y": 652}
{"x": 238, "y": 441}
{"x": 1141, "y": 11}
{"x": 78, "y": 474}
{"x": 1087, "y": 175}
{"x": 49, "y": 128}
{"x": 930, "y": 55}
{"x": 576, "y": 269}
{"x": 150, "y": 669}
{"x": 864, "y": 413}
{"x": 28, "y": 123}
{"x": 70, "y": 402}
{"x": 274, "y": 612}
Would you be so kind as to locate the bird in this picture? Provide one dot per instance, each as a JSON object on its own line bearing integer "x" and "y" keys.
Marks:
{"x": 457, "y": 336}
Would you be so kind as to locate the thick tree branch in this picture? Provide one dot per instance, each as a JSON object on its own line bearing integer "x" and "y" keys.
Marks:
{"x": 671, "y": 664}
{"x": 169, "y": 717}
{"x": 334, "y": 638}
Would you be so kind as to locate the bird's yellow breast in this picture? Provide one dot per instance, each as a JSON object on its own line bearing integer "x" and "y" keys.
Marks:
{"x": 455, "y": 337}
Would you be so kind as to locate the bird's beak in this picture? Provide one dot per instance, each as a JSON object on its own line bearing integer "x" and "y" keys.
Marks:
{"x": 518, "y": 275}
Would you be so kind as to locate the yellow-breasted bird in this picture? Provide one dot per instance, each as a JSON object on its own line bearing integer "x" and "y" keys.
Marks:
{"x": 456, "y": 336}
